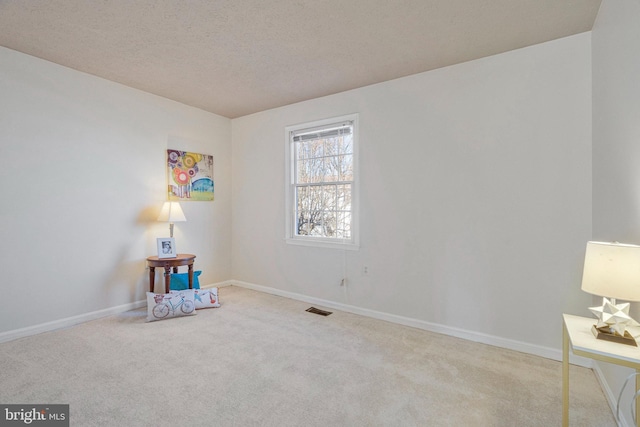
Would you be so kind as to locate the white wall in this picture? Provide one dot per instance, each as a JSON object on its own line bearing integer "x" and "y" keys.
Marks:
{"x": 83, "y": 180}
{"x": 616, "y": 139}
{"x": 476, "y": 195}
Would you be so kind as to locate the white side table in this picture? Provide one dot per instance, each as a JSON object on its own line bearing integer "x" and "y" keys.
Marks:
{"x": 576, "y": 333}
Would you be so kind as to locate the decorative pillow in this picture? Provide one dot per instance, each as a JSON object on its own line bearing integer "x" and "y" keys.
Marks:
{"x": 205, "y": 298}
{"x": 180, "y": 281}
{"x": 174, "y": 304}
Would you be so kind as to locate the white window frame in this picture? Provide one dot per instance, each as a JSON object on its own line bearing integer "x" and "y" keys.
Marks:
{"x": 290, "y": 198}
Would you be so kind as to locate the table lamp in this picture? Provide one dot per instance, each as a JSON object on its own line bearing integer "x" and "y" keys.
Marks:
{"x": 171, "y": 212}
{"x": 612, "y": 271}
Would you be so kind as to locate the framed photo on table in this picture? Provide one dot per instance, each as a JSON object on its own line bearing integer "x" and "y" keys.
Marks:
{"x": 166, "y": 247}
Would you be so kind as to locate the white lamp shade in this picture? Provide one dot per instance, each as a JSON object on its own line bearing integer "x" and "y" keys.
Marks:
{"x": 612, "y": 270}
{"x": 171, "y": 212}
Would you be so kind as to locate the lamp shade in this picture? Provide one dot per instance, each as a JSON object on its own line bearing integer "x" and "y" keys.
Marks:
{"x": 171, "y": 212}
{"x": 612, "y": 270}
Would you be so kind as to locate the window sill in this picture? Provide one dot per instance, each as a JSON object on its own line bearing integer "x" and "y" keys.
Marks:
{"x": 319, "y": 243}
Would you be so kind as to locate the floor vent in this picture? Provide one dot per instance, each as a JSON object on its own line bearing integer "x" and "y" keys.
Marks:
{"x": 318, "y": 311}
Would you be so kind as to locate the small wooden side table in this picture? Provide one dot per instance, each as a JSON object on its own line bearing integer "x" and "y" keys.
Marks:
{"x": 167, "y": 264}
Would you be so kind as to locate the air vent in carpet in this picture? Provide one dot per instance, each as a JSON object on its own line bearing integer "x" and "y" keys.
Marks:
{"x": 318, "y": 311}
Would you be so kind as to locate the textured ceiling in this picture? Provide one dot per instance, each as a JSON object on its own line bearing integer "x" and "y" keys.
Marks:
{"x": 237, "y": 57}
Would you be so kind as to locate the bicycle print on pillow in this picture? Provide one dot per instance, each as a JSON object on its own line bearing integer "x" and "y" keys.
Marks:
{"x": 166, "y": 306}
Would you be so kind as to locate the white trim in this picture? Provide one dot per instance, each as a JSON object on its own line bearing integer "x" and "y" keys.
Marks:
{"x": 523, "y": 347}
{"x": 536, "y": 350}
{"x": 218, "y": 285}
{"x": 69, "y": 321}
{"x": 81, "y": 318}
{"x": 321, "y": 243}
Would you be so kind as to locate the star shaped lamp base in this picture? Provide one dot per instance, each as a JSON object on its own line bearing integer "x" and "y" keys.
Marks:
{"x": 613, "y": 320}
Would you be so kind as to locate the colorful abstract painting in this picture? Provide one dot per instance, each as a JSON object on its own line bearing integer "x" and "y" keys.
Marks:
{"x": 190, "y": 176}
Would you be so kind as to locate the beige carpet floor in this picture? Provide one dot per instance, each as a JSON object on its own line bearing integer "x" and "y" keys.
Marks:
{"x": 261, "y": 360}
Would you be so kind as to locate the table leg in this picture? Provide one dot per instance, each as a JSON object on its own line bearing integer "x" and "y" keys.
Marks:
{"x": 167, "y": 278}
{"x": 190, "y": 276}
{"x": 565, "y": 376}
{"x": 152, "y": 278}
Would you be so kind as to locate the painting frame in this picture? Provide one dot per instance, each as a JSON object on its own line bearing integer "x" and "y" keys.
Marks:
{"x": 166, "y": 247}
{"x": 189, "y": 176}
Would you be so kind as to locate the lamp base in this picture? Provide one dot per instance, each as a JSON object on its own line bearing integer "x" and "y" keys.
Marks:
{"x": 604, "y": 334}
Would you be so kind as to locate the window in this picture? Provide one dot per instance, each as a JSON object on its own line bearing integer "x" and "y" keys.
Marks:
{"x": 322, "y": 183}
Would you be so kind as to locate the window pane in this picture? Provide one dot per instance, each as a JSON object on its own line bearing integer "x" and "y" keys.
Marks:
{"x": 324, "y": 211}
{"x": 302, "y": 197}
{"x": 316, "y": 148}
{"x": 302, "y": 150}
{"x": 315, "y": 199}
{"x": 317, "y": 169}
{"x": 329, "y": 197}
{"x": 344, "y": 225}
{"x": 346, "y": 168}
{"x": 315, "y": 225}
{"x": 302, "y": 172}
{"x": 331, "y": 146}
{"x": 303, "y": 225}
{"x": 329, "y": 224}
{"x": 331, "y": 169}
{"x": 343, "y": 197}
{"x": 310, "y": 171}
{"x": 345, "y": 145}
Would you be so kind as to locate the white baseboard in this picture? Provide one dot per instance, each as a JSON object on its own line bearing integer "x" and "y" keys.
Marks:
{"x": 81, "y": 318}
{"x": 69, "y": 321}
{"x": 218, "y": 285}
{"x": 546, "y": 352}
{"x": 523, "y": 347}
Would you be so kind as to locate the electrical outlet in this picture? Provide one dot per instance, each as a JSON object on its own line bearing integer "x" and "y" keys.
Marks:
{"x": 365, "y": 270}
